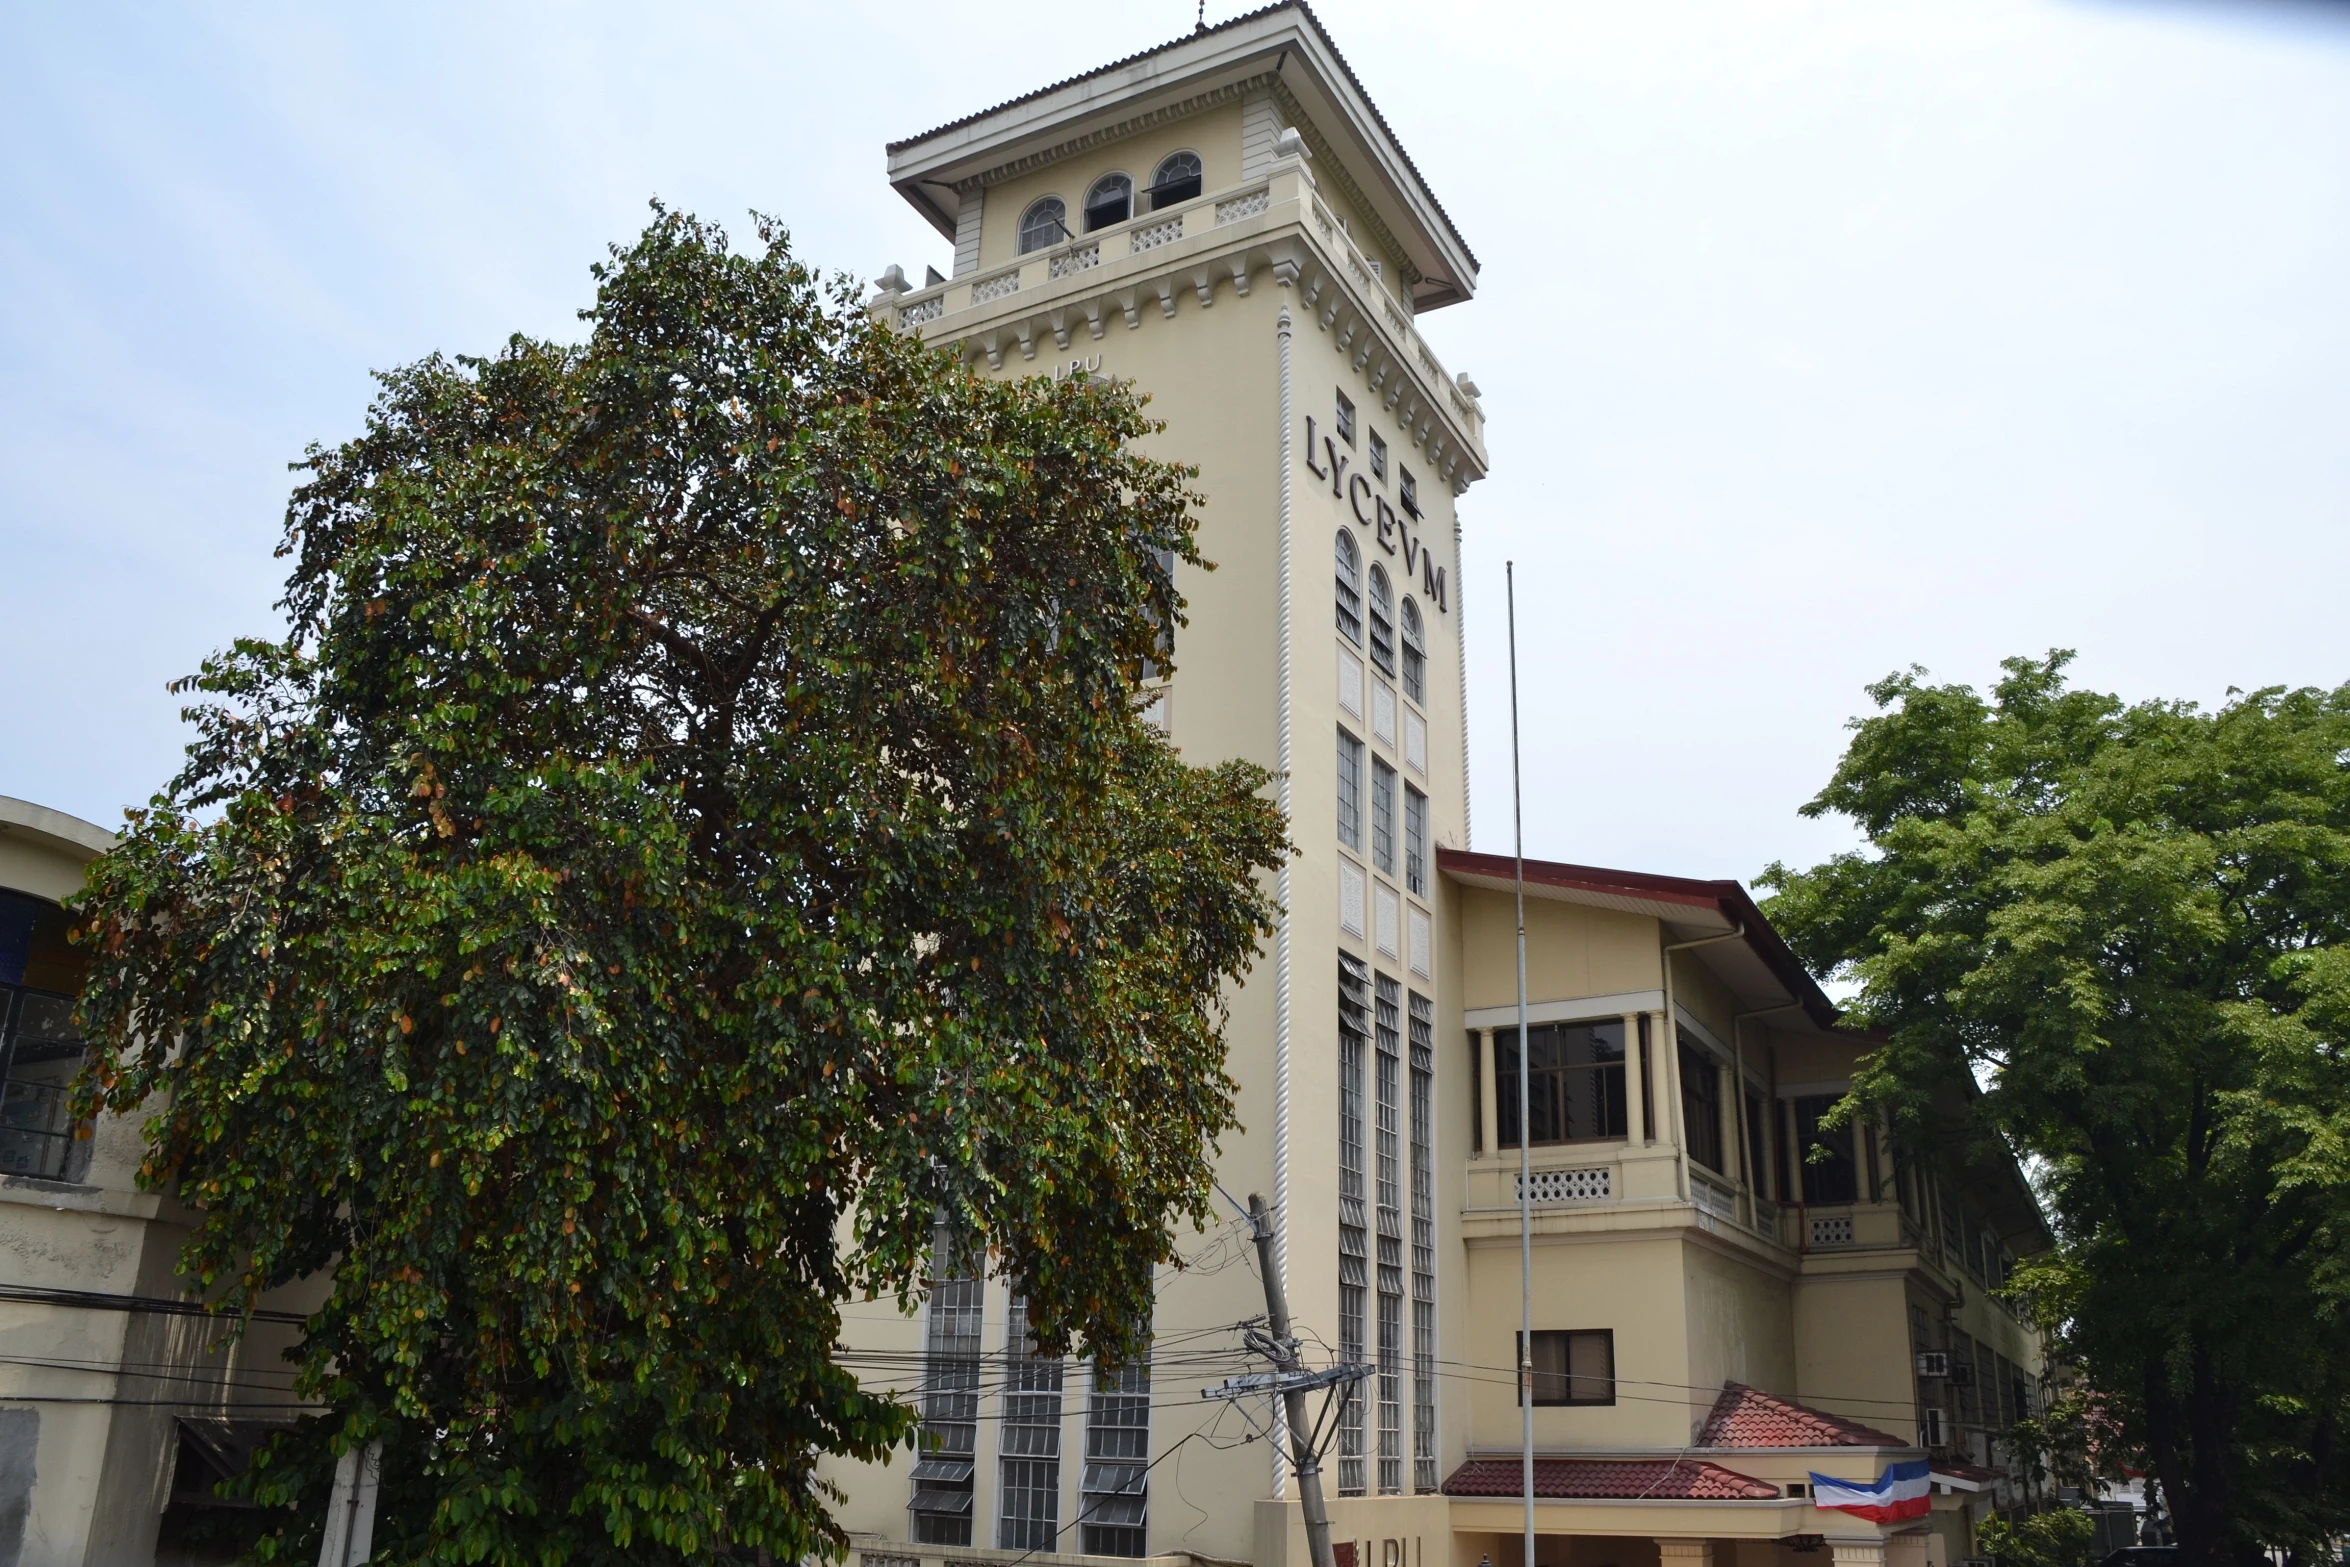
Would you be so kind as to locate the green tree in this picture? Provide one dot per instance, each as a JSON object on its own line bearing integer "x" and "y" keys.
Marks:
{"x": 696, "y": 830}
{"x": 2059, "y": 1537}
{"x": 2128, "y": 923}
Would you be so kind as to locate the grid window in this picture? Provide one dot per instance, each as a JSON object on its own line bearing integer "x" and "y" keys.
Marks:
{"x": 1350, "y": 587}
{"x": 1116, "y": 1498}
{"x": 1407, "y": 490}
{"x": 1044, "y": 224}
{"x": 1423, "y": 1064}
{"x": 1383, "y": 816}
{"x": 1176, "y": 180}
{"x": 1110, "y": 201}
{"x": 1346, "y": 419}
{"x": 1575, "y": 1367}
{"x": 40, "y": 1044}
{"x": 1378, "y": 456}
{"x": 1354, "y": 1028}
{"x": 1574, "y": 1080}
{"x": 1415, "y": 654}
{"x": 1415, "y": 840}
{"x": 1388, "y": 1078}
{"x": 1350, "y": 790}
{"x": 1701, "y": 1109}
{"x": 1382, "y": 620}
{"x": 1029, "y": 1507}
{"x": 1829, "y": 1176}
{"x": 950, "y": 1399}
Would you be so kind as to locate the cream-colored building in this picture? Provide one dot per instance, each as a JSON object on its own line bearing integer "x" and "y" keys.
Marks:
{"x": 120, "y": 1401}
{"x": 1228, "y": 222}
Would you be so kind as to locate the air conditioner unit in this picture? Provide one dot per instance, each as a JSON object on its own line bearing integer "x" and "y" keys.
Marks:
{"x": 1934, "y": 1364}
{"x": 1933, "y": 1429}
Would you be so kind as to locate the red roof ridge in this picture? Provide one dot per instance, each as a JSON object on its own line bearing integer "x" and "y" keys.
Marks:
{"x": 1611, "y": 1479}
{"x": 1748, "y": 1417}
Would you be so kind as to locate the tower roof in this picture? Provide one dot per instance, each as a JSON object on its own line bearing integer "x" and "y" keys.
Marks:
{"x": 1281, "y": 47}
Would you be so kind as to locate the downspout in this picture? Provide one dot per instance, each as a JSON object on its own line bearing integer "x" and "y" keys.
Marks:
{"x": 1281, "y": 941}
{"x": 1746, "y": 1171}
{"x": 1671, "y": 1044}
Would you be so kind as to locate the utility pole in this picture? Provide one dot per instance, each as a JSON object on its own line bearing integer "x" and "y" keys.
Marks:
{"x": 1302, "y": 1454}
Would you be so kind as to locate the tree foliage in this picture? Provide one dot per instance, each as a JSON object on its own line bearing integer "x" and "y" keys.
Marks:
{"x": 2129, "y": 923}
{"x": 695, "y": 829}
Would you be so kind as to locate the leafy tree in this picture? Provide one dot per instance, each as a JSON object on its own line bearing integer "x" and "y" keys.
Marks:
{"x": 696, "y": 829}
{"x": 2059, "y": 1537}
{"x": 2128, "y": 922}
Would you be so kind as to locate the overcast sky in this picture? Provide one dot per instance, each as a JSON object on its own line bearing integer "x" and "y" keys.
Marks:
{"x": 1816, "y": 339}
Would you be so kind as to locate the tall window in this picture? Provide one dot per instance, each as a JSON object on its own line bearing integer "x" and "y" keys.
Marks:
{"x": 1345, "y": 419}
{"x": 1574, "y": 1368}
{"x": 1383, "y": 816}
{"x": 1423, "y": 1027}
{"x": 1043, "y": 224}
{"x": 1110, "y": 201}
{"x": 1350, "y": 586}
{"x": 1382, "y": 620}
{"x": 1350, "y": 790}
{"x": 1176, "y": 180}
{"x": 1116, "y": 1491}
{"x": 1757, "y": 1142}
{"x": 1701, "y": 1109}
{"x": 1415, "y": 654}
{"x": 1575, "y": 1075}
{"x": 40, "y": 1048}
{"x": 950, "y": 1399}
{"x": 1028, "y": 1512}
{"x": 1378, "y": 450}
{"x": 1407, "y": 490}
{"x": 1415, "y": 840}
{"x": 1829, "y": 1174}
{"x": 1390, "y": 1193}
{"x": 1354, "y": 1271}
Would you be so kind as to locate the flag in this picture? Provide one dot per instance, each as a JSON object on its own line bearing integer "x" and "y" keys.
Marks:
{"x": 1898, "y": 1493}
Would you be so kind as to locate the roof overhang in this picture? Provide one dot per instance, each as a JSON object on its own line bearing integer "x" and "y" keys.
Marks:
{"x": 1284, "y": 43}
{"x": 1757, "y": 967}
{"x": 53, "y": 829}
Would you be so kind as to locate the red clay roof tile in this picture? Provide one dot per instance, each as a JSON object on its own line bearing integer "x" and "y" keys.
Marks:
{"x": 1665, "y": 1479}
{"x": 1748, "y": 1417}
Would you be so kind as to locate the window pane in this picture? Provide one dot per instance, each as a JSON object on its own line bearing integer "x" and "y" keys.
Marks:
{"x": 1350, "y": 790}
{"x": 1415, "y": 840}
{"x": 1383, "y": 816}
{"x": 1828, "y": 1176}
{"x": 1591, "y": 1368}
{"x": 1701, "y": 1115}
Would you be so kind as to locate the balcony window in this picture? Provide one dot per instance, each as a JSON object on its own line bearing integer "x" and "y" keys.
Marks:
{"x": 1701, "y": 1109}
{"x": 1829, "y": 1173}
{"x": 1575, "y": 1077}
{"x": 1574, "y": 1367}
{"x": 1110, "y": 201}
{"x": 1176, "y": 180}
{"x": 40, "y": 1046}
{"x": 1044, "y": 224}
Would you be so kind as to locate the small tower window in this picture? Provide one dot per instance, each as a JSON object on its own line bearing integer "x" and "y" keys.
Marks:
{"x": 1407, "y": 490}
{"x": 1350, "y": 587}
{"x": 1378, "y": 456}
{"x": 1176, "y": 180}
{"x": 1346, "y": 419}
{"x": 1415, "y": 654}
{"x": 1110, "y": 201}
{"x": 1043, "y": 224}
{"x": 1382, "y": 620}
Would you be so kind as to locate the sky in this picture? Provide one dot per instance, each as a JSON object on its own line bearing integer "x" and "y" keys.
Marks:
{"x": 1818, "y": 338}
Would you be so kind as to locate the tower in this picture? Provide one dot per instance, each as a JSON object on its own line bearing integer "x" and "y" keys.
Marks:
{"x": 1228, "y": 222}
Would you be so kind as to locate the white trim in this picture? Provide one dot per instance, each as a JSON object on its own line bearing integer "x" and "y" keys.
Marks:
{"x": 1575, "y": 1009}
{"x": 53, "y": 827}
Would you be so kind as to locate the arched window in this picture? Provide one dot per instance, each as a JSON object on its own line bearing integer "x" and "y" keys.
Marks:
{"x": 1177, "y": 180}
{"x": 1382, "y": 620}
{"x": 1045, "y": 221}
{"x": 1415, "y": 654}
{"x": 1350, "y": 586}
{"x": 1110, "y": 201}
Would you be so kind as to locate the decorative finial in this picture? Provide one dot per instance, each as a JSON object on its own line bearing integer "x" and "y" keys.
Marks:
{"x": 1202, "y": 25}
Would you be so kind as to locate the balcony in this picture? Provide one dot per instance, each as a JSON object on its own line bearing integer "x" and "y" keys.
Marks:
{"x": 1222, "y": 239}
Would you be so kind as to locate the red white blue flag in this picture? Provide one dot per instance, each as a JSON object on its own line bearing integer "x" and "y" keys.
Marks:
{"x": 1898, "y": 1493}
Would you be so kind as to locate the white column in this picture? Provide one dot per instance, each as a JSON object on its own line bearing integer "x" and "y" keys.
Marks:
{"x": 1488, "y": 1111}
{"x": 1635, "y": 1102}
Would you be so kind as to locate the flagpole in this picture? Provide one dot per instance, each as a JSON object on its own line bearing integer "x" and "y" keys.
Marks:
{"x": 1525, "y": 1168}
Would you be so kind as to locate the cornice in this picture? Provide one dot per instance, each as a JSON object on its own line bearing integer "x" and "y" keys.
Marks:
{"x": 1132, "y": 125}
{"x": 1331, "y": 170}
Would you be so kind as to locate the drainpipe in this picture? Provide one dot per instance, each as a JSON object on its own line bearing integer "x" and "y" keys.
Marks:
{"x": 1738, "y": 1050}
{"x": 1671, "y": 1044}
